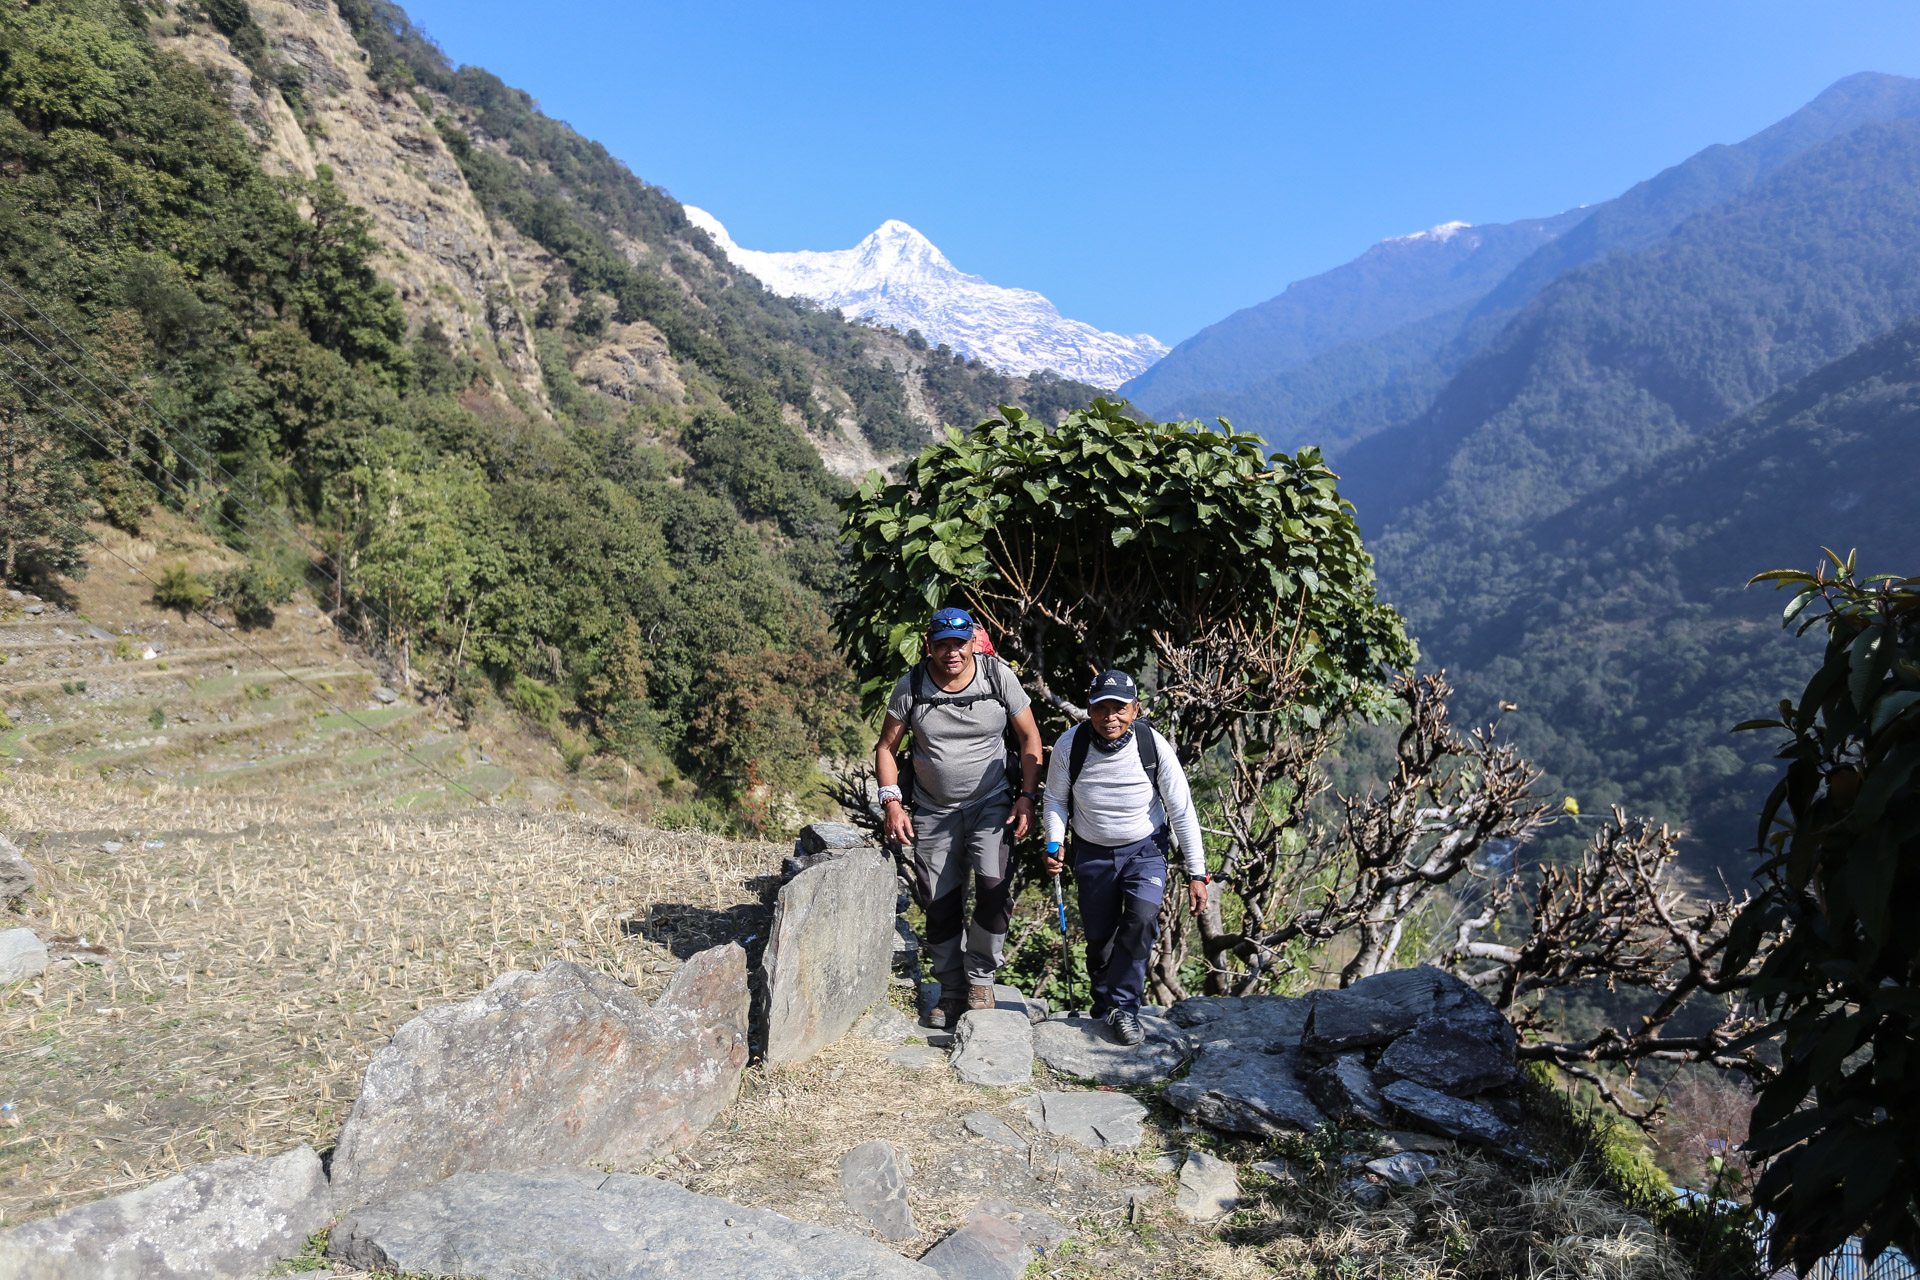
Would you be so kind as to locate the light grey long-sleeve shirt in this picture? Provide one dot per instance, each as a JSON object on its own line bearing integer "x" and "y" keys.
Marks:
{"x": 1114, "y": 803}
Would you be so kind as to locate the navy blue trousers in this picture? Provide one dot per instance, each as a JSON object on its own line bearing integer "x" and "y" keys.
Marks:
{"x": 1120, "y": 893}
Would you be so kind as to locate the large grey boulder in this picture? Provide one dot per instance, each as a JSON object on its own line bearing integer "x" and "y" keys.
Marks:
{"x": 228, "y": 1220}
{"x": 1085, "y": 1047}
{"x": 1465, "y": 1047}
{"x": 16, "y": 873}
{"x": 22, "y": 954}
{"x": 1345, "y": 1089}
{"x": 1454, "y": 1118}
{"x": 566, "y": 1066}
{"x": 873, "y": 1178}
{"x": 1100, "y": 1121}
{"x": 1248, "y": 1022}
{"x": 567, "y": 1224}
{"x": 829, "y": 953}
{"x": 993, "y": 1047}
{"x": 1246, "y": 1091}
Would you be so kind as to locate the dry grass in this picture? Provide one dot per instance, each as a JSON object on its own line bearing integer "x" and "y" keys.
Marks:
{"x": 262, "y": 952}
{"x": 1472, "y": 1220}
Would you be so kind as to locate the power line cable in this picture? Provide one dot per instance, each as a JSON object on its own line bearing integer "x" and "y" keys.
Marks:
{"x": 208, "y": 619}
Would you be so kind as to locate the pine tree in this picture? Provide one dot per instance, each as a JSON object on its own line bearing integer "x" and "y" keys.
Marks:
{"x": 43, "y": 498}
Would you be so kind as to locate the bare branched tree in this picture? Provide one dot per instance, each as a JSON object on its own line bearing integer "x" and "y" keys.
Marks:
{"x": 1368, "y": 874}
{"x": 1614, "y": 917}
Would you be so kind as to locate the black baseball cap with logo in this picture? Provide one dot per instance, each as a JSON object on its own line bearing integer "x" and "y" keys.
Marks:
{"x": 1112, "y": 686}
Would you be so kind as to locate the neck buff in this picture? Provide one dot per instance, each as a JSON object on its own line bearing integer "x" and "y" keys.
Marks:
{"x": 1109, "y": 748}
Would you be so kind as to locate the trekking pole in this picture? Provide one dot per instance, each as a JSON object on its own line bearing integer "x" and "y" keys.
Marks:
{"x": 1066, "y": 947}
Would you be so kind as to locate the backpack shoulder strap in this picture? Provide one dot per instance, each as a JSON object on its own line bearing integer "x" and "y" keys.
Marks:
{"x": 993, "y": 678}
{"x": 1076, "y": 760}
{"x": 1148, "y": 743}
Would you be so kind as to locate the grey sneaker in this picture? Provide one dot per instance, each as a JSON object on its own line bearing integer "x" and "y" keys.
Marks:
{"x": 1126, "y": 1026}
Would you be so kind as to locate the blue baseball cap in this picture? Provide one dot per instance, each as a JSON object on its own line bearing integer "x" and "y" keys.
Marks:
{"x": 951, "y": 624}
{"x": 1112, "y": 686}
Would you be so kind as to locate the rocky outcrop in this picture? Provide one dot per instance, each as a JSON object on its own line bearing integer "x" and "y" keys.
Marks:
{"x": 633, "y": 364}
{"x": 228, "y": 1220}
{"x": 1247, "y": 1090}
{"x": 566, "y": 1066}
{"x": 1268, "y": 1064}
{"x": 563, "y": 1224}
{"x": 829, "y": 955}
{"x": 1455, "y": 1118}
{"x": 386, "y": 156}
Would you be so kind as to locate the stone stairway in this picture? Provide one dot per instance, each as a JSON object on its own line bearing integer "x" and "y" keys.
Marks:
{"x": 107, "y": 685}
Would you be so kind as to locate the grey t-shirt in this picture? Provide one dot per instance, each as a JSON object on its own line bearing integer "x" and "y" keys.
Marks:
{"x": 959, "y": 753}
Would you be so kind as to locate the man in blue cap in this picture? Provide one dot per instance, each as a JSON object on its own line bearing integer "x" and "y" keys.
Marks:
{"x": 1120, "y": 789}
{"x": 965, "y": 814}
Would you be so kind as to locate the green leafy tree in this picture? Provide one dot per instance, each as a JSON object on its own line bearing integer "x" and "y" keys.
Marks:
{"x": 1235, "y": 581}
{"x": 1107, "y": 541}
{"x": 43, "y": 499}
{"x": 1841, "y": 830}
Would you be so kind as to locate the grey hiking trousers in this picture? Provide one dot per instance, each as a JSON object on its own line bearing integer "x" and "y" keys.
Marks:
{"x": 951, "y": 846}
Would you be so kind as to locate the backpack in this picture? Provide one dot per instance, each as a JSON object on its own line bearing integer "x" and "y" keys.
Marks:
{"x": 1144, "y": 740}
{"x": 924, "y": 697}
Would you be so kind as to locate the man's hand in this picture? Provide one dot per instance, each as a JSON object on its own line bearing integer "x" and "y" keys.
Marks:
{"x": 897, "y": 825}
{"x": 1055, "y": 862}
{"x": 1197, "y": 896}
{"x": 1021, "y": 819}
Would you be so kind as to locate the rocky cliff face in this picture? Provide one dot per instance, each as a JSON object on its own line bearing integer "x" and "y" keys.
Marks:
{"x": 448, "y": 264}
{"x": 690, "y": 329}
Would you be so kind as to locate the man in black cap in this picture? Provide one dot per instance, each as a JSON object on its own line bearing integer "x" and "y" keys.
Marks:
{"x": 1121, "y": 791}
{"x": 965, "y": 815}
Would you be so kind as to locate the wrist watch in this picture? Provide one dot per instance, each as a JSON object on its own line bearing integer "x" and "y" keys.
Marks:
{"x": 1029, "y": 795}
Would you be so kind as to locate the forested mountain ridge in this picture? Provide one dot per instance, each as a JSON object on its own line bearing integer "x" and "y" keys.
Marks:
{"x": 1569, "y": 526}
{"x": 1620, "y": 361}
{"x": 1622, "y": 629}
{"x": 1394, "y": 283}
{"x": 1344, "y": 393}
{"x": 555, "y": 449}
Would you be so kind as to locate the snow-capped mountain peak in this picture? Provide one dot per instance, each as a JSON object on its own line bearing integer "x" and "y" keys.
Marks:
{"x": 1443, "y": 232}
{"x": 897, "y": 277}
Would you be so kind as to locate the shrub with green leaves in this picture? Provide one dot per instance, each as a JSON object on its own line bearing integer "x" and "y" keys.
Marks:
{"x": 252, "y": 591}
{"x": 1841, "y": 835}
{"x": 181, "y": 588}
{"x": 1106, "y": 541}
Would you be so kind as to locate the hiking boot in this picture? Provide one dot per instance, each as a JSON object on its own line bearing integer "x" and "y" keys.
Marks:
{"x": 979, "y": 997}
{"x": 946, "y": 1014}
{"x": 1126, "y": 1026}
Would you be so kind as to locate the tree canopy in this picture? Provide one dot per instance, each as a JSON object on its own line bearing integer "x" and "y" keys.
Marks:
{"x": 1107, "y": 541}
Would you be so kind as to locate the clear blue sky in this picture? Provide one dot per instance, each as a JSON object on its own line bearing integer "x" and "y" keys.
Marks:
{"x": 1152, "y": 167}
